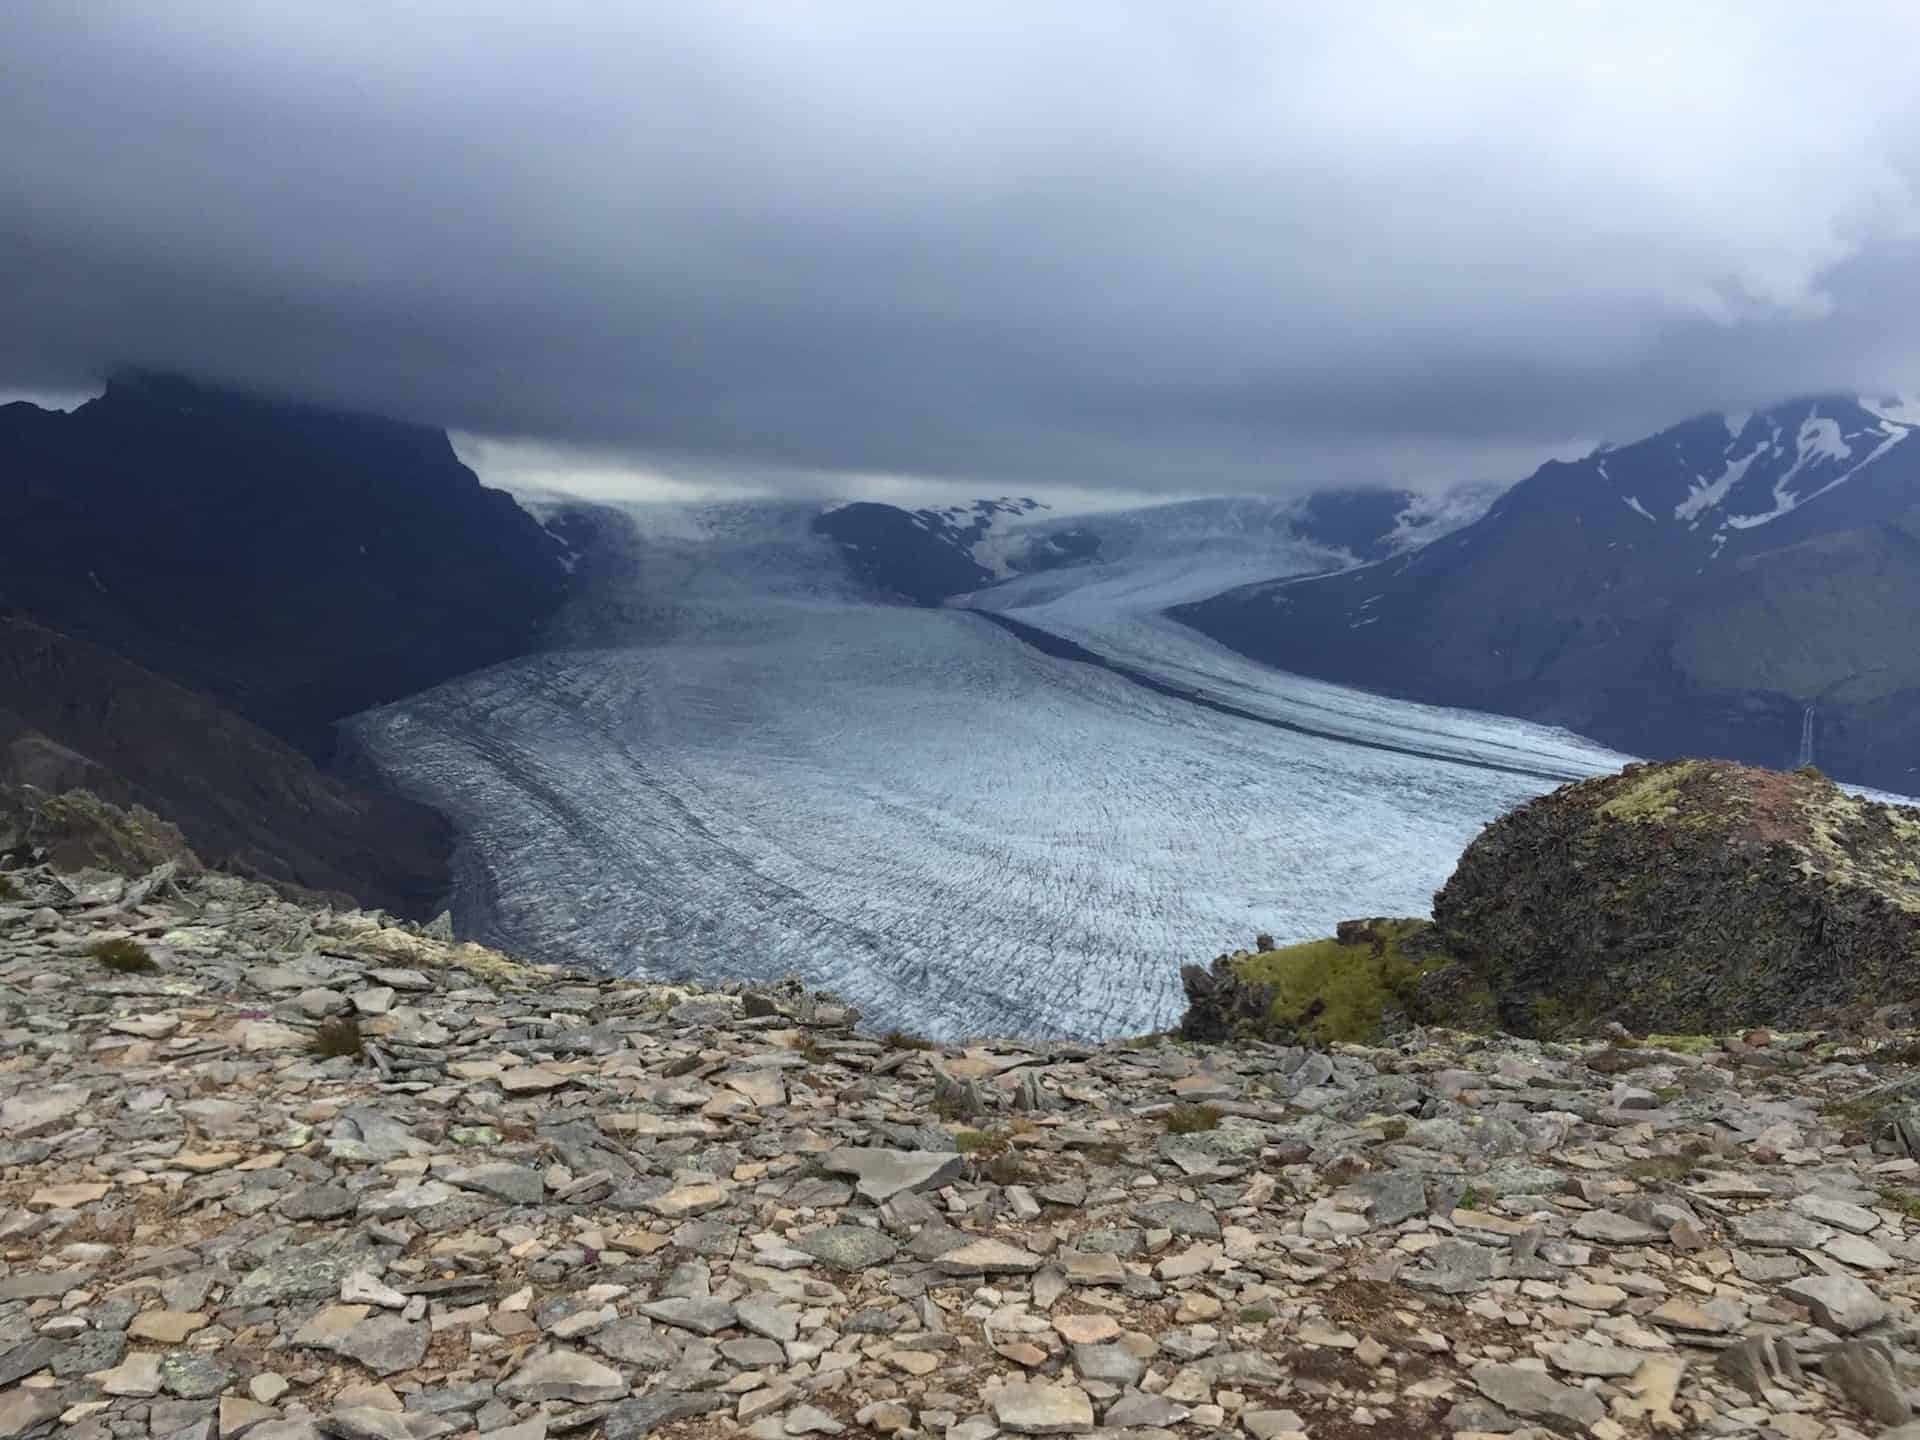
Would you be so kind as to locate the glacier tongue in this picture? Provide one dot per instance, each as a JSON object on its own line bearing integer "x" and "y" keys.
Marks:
{"x": 772, "y": 775}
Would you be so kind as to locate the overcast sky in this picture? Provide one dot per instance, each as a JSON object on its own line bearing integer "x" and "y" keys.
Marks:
{"x": 1189, "y": 246}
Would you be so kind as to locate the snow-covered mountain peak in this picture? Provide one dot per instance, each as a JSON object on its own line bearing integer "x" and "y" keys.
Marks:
{"x": 1716, "y": 476}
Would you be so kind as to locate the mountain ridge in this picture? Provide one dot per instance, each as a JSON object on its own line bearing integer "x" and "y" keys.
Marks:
{"x": 295, "y": 563}
{"x": 1649, "y": 595}
{"x": 196, "y": 583}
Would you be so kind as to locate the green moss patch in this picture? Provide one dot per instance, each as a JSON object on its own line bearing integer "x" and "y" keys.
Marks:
{"x": 1341, "y": 990}
{"x": 1651, "y": 794}
{"x": 1682, "y": 1044}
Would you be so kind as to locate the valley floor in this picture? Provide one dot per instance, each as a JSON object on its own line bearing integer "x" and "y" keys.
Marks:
{"x": 923, "y": 813}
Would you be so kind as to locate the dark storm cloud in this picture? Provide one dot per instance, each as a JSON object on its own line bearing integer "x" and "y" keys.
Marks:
{"x": 1187, "y": 246}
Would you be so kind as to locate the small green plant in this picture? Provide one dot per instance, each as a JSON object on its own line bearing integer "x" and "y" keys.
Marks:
{"x": 1474, "y": 1198}
{"x": 123, "y": 957}
{"x": 1667, "y": 1094}
{"x": 1660, "y": 1169}
{"x": 948, "y": 1107}
{"x": 1009, "y": 1168}
{"x": 1906, "y": 1202}
{"x": 339, "y": 1039}
{"x": 1682, "y": 1044}
{"x": 901, "y": 1040}
{"x": 1393, "y": 1130}
{"x": 1853, "y": 1114}
{"x": 979, "y": 1142}
{"x": 1190, "y": 1119}
{"x": 810, "y": 1050}
{"x": 1257, "y": 1314}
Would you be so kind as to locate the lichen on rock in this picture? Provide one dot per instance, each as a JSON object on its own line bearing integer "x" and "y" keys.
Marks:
{"x": 1689, "y": 897}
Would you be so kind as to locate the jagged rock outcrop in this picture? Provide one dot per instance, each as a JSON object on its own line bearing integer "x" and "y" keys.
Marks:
{"x": 1688, "y": 897}
{"x": 77, "y": 830}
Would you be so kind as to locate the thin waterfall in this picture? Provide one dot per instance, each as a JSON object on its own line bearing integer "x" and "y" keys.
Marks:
{"x": 1806, "y": 737}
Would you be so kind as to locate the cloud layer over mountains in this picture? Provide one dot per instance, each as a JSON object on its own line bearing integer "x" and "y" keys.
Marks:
{"x": 1202, "y": 246}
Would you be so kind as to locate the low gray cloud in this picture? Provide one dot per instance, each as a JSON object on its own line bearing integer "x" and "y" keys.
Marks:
{"x": 1191, "y": 247}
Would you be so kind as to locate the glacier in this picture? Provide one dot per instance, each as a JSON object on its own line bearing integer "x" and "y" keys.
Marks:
{"x": 757, "y": 770}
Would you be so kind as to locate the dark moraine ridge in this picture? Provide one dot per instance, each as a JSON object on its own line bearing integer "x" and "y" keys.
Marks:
{"x": 1061, "y": 648}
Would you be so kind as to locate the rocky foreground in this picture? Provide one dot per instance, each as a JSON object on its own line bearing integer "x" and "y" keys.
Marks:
{"x": 521, "y": 1202}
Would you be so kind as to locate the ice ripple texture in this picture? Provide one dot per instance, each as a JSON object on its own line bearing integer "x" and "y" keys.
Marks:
{"x": 775, "y": 775}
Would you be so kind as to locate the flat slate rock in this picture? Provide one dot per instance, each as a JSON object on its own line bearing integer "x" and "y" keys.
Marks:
{"x": 879, "y": 1175}
{"x": 848, "y": 1247}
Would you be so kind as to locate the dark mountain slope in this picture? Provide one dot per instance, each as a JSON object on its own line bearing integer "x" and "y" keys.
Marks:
{"x": 294, "y": 563}
{"x": 1695, "y": 592}
{"x": 73, "y": 715}
{"x": 1360, "y": 520}
{"x": 921, "y": 555}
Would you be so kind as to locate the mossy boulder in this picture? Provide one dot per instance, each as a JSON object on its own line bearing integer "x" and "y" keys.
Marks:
{"x": 1689, "y": 897}
{"x": 1365, "y": 982}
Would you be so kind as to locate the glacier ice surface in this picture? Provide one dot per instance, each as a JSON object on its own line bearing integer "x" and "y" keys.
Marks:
{"x": 775, "y": 774}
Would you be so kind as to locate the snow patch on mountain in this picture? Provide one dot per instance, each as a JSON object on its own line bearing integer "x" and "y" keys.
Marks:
{"x": 1899, "y": 409}
{"x": 1819, "y": 446}
{"x": 1704, "y": 494}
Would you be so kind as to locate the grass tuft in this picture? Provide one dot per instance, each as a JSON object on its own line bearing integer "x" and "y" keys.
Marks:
{"x": 1682, "y": 1044}
{"x": 811, "y": 1050}
{"x": 1008, "y": 1168}
{"x": 123, "y": 957}
{"x": 1906, "y": 1202}
{"x": 339, "y": 1039}
{"x": 1190, "y": 1119}
{"x": 1661, "y": 1169}
{"x": 901, "y": 1040}
{"x": 979, "y": 1142}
